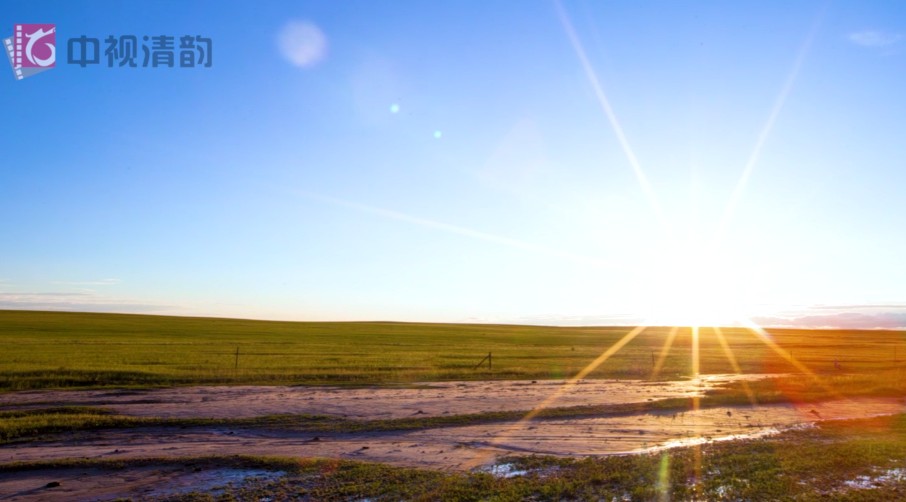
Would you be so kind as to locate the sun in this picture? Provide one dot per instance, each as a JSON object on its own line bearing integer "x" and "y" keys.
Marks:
{"x": 693, "y": 285}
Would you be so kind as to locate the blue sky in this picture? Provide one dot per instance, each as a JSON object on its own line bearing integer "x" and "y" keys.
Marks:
{"x": 575, "y": 162}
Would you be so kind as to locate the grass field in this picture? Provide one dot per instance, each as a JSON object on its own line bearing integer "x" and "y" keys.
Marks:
{"x": 58, "y": 349}
{"x": 853, "y": 460}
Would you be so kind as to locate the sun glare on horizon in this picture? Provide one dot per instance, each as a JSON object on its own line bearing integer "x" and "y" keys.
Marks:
{"x": 694, "y": 282}
{"x": 689, "y": 284}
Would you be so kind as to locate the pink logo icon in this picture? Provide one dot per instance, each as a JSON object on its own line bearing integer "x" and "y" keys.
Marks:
{"x": 32, "y": 49}
{"x": 36, "y": 45}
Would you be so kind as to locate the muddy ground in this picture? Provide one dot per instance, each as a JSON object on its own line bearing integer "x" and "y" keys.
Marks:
{"x": 447, "y": 448}
{"x": 431, "y": 399}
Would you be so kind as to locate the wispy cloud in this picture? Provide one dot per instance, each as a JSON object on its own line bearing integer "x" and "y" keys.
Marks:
{"x": 856, "y": 317}
{"x": 563, "y": 320}
{"x": 874, "y": 38}
{"x": 849, "y": 320}
{"x": 860, "y": 307}
{"x": 455, "y": 229}
{"x": 77, "y": 302}
{"x": 878, "y": 316}
{"x": 99, "y": 282}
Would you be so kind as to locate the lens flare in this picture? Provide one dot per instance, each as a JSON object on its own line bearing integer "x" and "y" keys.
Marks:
{"x": 663, "y": 479}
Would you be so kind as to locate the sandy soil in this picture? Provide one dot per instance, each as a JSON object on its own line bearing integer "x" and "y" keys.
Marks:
{"x": 135, "y": 483}
{"x": 458, "y": 447}
{"x": 450, "y": 448}
{"x": 434, "y": 399}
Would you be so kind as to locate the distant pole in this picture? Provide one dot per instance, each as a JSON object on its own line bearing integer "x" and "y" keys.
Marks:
{"x": 490, "y": 365}
{"x": 237, "y": 358}
{"x": 483, "y": 359}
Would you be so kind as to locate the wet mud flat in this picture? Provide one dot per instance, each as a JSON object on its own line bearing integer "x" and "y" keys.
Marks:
{"x": 448, "y": 448}
{"x": 132, "y": 482}
{"x": 428, "y": 399}
{"x": 458, "y": 447}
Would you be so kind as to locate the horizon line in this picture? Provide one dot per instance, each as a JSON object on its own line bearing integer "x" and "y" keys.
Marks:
{"x": 462, "y": 323}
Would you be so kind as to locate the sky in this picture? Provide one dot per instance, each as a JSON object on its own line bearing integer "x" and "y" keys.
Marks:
{"x": 574, "y": 162}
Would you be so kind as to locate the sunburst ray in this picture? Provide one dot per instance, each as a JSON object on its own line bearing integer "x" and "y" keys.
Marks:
{"x": 604, "y": 103}
{"x": 481, "y": 458}
{"x": 765, "y": 338}
{"x": 734, "y": 363}
{"x": 665, "y": 349}
{"x": 779, "y": 103}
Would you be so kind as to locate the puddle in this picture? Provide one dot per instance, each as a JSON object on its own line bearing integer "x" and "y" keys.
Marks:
{"x": 506, "y": 470}
{"x": 889, "y": 476}
{"x": 212, "y": 481}
{"x": 679, "y": 443}
{"x": 646, "y": 432}
{"x": 130, "y": 483}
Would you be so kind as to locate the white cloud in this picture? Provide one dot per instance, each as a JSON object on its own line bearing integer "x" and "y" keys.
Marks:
{"x": 874, "y": 38}
{"x": 77, "y": 302}
{"x": 302, "y": 43}
{"x": 880, "y": 316}
{"x": 100, "y": 282}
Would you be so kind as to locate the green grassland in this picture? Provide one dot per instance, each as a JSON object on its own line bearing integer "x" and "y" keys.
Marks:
{"x": 68, "y": 350}
{"x": 60, "y": 349}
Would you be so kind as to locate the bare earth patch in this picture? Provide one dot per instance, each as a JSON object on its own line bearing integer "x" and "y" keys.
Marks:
{"x": 460, "y": 447}
{"x": 430, "y": 399}
{"x": 446, "y": 448}
{"x": 105, "y": 484}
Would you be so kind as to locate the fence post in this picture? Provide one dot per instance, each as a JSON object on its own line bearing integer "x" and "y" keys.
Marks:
{"x": 483, "y": 359}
